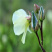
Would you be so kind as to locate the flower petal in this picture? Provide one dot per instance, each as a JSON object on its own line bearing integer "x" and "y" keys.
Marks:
{"x": 19, "y": 14}
{"x": 19, "y": 26}
{"x": 19, "y": 21}
{"x": 23, "y": 38}
{"x": 29, "y": 30}
{"x": 18, "y": 29}
{"x": 25, "y": 31}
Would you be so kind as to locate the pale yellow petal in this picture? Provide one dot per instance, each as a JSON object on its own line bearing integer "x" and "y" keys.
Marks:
{"x": 18, "y": 29}
{"x": 25, "y": 32}
{"x": 19, "y": 21}
{"x": 23, "y": 38}
{"x": 19, "y": 14}
{"x": 29, "y": 30}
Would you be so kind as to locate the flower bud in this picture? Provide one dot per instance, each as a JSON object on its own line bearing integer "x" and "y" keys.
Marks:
{"x": 41, "y": 14}
{"x": 34, "y": 22}
{"x": 36, "y": 8}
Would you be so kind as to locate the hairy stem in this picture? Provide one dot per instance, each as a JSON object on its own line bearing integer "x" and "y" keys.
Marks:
{"x": 39, "y": 42}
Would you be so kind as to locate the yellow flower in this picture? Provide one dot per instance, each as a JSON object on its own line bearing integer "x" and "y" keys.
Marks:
{"x": 21, "y": 24}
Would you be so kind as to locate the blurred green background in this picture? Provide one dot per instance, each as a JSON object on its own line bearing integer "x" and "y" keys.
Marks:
{"x": 9, "y": 42}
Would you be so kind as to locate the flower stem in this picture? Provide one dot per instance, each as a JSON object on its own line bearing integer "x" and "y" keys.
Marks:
{"x": 41, "y": 33}
{"x": 39, "y": 42}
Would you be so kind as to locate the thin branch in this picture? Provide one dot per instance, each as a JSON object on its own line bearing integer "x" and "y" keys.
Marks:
{"x": 41, "y": 32}
{"x": 39, "y": 42}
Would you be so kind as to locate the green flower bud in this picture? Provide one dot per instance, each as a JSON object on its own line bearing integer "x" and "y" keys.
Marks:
{"x": 34, "y": 22}
{"x": 41, "y": 14}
